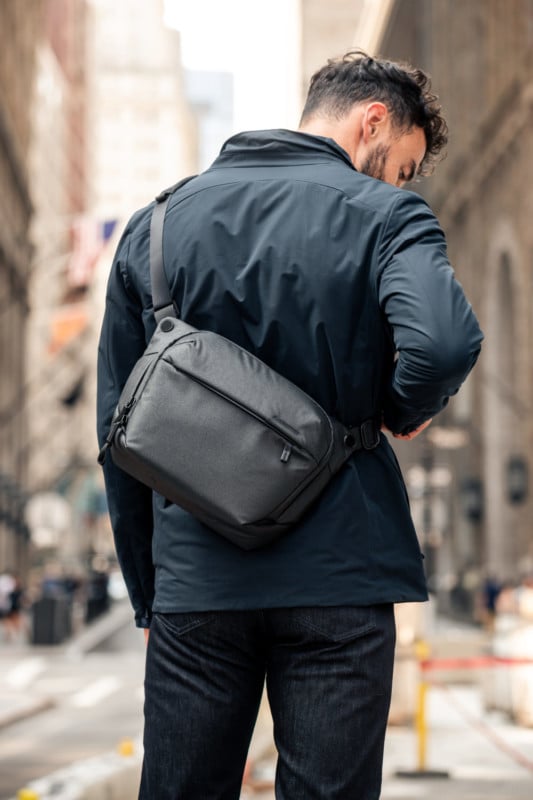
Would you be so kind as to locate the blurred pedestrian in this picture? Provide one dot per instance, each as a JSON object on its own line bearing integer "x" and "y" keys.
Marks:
{"x": 301, "y": 247}
{"x": 11, "y": 605}
{"x": 7, "y": 585}
{"x": 491, "y": 591}
{"x": 15, "y": 621}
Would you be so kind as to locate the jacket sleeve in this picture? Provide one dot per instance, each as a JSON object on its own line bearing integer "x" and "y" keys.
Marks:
{"x": 122, "y": 342}
{"x": 434, "y": 330}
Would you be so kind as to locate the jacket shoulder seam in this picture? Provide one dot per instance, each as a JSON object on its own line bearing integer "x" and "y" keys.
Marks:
{"x": 293, "y": 180}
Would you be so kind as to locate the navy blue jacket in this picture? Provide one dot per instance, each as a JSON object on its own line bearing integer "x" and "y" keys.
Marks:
{"x": 342, "y": 284}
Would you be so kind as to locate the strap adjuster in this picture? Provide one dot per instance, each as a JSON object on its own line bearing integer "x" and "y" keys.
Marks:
{"x": 362, "y": 437}
{"x": 170, "y": 310}
{"x": 369, "y": 434}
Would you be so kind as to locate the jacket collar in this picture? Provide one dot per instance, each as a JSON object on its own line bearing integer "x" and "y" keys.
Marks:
{"x": 278, "y": 147}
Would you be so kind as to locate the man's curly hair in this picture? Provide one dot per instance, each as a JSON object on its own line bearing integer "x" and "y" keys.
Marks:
{"x": 404, "y": 90}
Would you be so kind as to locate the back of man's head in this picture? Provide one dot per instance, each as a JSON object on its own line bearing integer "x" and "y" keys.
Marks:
{"x": 405, "y": 91}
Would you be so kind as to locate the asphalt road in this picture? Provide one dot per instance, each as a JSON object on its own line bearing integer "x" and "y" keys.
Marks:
{"x": 98, "y": 702}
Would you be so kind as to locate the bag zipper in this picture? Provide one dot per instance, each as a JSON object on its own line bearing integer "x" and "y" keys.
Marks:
{"x": 120, "y": 422}
{"x": 286, "y": 437}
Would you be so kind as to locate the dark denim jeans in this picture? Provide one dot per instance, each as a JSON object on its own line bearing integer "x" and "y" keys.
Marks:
{"x": 328, "y": 676}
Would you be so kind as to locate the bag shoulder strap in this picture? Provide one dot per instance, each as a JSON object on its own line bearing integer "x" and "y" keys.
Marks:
{"x": 161, "y": 298}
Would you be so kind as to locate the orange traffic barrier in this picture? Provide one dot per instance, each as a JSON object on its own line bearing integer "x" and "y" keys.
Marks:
{"x": 429, "y": 665}
{"x": 477, "y": 662}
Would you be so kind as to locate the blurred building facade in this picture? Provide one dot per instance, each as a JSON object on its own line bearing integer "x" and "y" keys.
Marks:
{"x": 93, "y": 123}
{"x": 480, "y": 57}
{"x": 20, "y": 24}
{"x": 58, "y": 325}
{"x": 142, "y": 137}
{"x": 210, "y": 95}
{"x": 332, "y": 29}
{"x": 58, "y": 318}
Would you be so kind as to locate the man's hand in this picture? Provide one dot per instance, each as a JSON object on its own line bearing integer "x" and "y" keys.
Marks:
{"x": 406, "y": 437}
{"x": 146, "y": 635}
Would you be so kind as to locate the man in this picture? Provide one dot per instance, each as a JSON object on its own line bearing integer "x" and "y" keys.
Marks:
{"x": 301, "y": 247}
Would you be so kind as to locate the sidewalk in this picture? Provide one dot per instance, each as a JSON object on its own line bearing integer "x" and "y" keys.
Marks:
{"x": 478, "y": 751}
{"x": 485, "y": 755}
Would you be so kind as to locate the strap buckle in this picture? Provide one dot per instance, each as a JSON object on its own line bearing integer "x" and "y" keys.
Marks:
{"x": 362, "y": 437}
{"x": 369, "y": 434}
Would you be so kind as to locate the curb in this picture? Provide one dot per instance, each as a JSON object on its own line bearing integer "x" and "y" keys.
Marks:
{"x": 111, "y": 776}
{"x": 99, "y": 630}
{"x": 31, "y": 709}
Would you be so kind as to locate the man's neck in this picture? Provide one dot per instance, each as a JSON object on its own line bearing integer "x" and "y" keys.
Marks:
{"x": 345, "y": 132}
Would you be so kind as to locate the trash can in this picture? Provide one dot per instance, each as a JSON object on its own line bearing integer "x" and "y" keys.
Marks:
{"x": 51, "y": 620}
{"x": 97, "y": 596}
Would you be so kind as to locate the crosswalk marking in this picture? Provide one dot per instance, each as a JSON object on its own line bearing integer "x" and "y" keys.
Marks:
{"x": 21, "y": 676}
{"x": 96, "y": 692}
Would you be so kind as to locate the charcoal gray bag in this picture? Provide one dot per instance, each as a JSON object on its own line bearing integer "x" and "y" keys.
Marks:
{"x": 213, "y": 429}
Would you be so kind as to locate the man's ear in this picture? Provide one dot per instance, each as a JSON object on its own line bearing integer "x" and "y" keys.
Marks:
{"x": 374, "y": 120}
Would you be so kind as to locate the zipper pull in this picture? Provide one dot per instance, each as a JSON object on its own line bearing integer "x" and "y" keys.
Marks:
{"x": 102, "y": 454}
{"x": 109, "y": 440}
{"x": 118, "y": 423}
{"x": 287, "y": 450}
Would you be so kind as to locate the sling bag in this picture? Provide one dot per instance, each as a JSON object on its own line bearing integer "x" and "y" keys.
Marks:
{"x": 212, "y": 428}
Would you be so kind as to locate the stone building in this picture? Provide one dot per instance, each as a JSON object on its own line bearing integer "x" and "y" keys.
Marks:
{"x": 141, "y": 138}
{"x": 480, "y": 56}
{"x": 20, "y": 28}
{"x": 111, "y": 128}
{"x": 331, "y": 29}
{"x": 142, "y": 132}
{"x": 57, "y": 316}
{"x": 66, "y": 33}
{"x": 58, "y": 323}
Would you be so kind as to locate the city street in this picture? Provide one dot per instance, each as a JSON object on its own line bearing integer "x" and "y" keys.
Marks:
{"x": 95, "y": 701}
{"x": 96, "y": 696}
{"x": 358, "y": 220}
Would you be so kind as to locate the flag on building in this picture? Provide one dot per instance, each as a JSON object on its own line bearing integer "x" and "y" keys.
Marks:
{"x": 89, "y": 237}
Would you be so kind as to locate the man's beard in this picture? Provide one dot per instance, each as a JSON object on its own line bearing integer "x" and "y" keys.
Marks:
{"x": 375, "y": 164}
